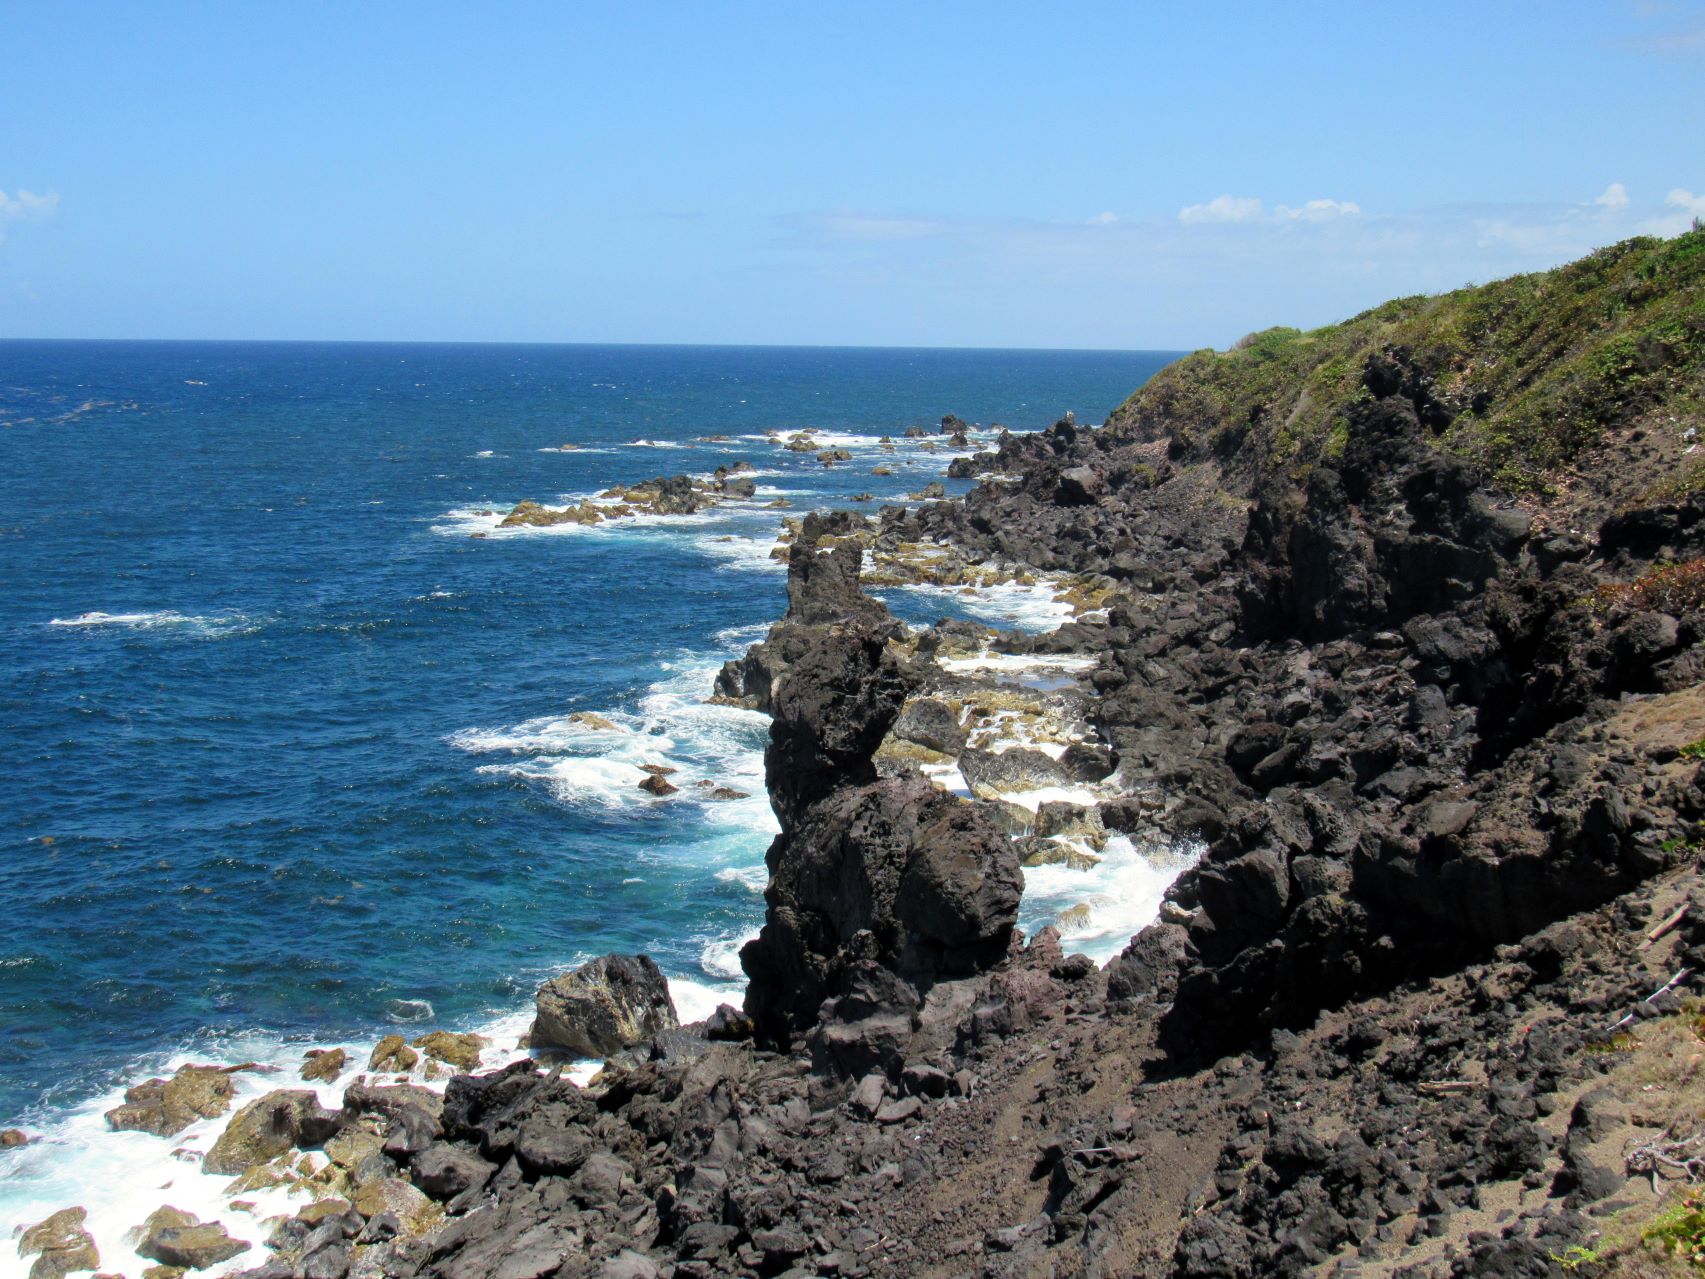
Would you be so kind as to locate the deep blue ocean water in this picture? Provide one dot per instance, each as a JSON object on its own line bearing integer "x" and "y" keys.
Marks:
{"x": 287, "y": 748}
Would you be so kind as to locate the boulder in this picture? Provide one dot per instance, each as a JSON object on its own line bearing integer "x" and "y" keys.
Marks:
{"x": 413, "y": 1210}
{"x": 445, "y": 1171}
{"x": 274, "y": 1125}
{"x": 13, "y": 1137}
{"x": 612, "y": 1003}
{"x": 392, "y": 1056}
{"x": 655, "y": 784}
{"x": 1081, "y": 486}
{"x": 324, "y": 1065}
{"x": 1009, "y": 772}
{"x": 166, "y": 1107}
{"x": 183, "y": 1240}
{"x": 60, "y": 1245}
{"x": 460, "y": 1051}
{"x": 928, "y": 722}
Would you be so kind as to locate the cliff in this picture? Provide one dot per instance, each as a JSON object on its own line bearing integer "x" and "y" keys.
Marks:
{"x": 1400, "y": 622}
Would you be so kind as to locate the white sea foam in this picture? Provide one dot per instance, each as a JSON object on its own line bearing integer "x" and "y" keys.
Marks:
{"x": 1034, "y": 799}
{"x": 743, "y": 554}
{"x": 1018, "y": 663}
{"x": 756, "y": 878}
{"x": 720, "y": 956}
{"x": 122, "y": 1177}
{"x": 673, "y": 726}
{"x": 696, "y": 1000}
{"x": 1031, "y": 608}
{"x": 1123, "y": 894}
{"x": 741, "y": 636}
{"x": 209, "y": 626}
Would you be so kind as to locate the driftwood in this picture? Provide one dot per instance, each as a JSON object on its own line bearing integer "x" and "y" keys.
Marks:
{"x": 1669, "y": 922}
{"x": 1683, "y": 1155}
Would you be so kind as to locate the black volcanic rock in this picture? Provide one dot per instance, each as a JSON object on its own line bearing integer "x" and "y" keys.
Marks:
{"x": 833, "y": 706}
{"x": 894, "y": 872}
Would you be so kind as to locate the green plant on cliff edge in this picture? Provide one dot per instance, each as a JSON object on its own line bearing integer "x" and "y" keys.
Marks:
{"x": 1679, "y": 1231}
{"x": 1533, "y": 369}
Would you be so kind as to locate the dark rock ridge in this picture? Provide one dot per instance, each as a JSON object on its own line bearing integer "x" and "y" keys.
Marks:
{"x": 1442, "y": 749}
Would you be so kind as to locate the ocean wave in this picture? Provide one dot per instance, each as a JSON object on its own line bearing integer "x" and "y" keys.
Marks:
{"x": 122, "y": 1177}
{"x": 207, "y": 626}
{"x": 720, "y": 956}
{"x": 736, "y": 553}
{"x": 1118, "y": 897}
{"x": 600, "y": 759}
{"x": 1018, "y": 663}
{"x": 755, "y": 878}
{"x": 1032, "y": 609}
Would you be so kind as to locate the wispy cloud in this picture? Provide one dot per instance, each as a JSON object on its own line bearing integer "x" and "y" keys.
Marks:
{"x": 1245, "y": 208}
{"x": 26, "y": 206}
{"x": 1680, "y": 27}
{"x": 1615, "y": 197}
{"x": 1684, "y": 207}
{"x": 1223, "y": 208}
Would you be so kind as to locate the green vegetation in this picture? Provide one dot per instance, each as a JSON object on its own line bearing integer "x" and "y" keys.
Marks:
{"x": 1679, "y": 1231}
{"x": 1534, "y": 368}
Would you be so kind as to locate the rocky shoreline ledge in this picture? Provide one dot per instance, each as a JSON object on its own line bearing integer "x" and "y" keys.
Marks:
{"x": 1421, "y": 682}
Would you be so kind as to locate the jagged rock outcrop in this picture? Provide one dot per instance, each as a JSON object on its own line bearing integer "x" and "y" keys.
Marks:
{"x": 893, "y": 874}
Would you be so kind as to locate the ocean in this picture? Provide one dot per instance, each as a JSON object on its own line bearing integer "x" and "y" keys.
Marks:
{"x": 291, "y": 759}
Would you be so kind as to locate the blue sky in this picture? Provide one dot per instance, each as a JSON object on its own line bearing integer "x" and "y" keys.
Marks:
{"x": 978, "y": 174}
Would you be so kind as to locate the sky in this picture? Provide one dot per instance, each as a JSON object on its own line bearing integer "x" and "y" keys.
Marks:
{"x": 1111, "y": 175}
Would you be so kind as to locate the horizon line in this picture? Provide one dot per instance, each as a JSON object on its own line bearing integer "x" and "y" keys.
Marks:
{"x": 743, "y": 346}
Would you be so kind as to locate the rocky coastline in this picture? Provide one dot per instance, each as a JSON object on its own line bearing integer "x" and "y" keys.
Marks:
{"x": 1426, "y": 744}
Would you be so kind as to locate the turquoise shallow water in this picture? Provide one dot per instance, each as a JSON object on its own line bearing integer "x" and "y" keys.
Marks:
{"x": 288, "y": 752}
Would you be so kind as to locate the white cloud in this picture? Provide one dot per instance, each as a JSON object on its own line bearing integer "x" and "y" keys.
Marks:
{"x": 1615, "y": 196}
{"x": 1318, "y": 211}
{"x": 1243, "y": 208}
{"x": 1687, "y": 207}
{"x": 1224, "y": 208}
{"x": 26, "y": 206}
{"x": 1106, "y": 218}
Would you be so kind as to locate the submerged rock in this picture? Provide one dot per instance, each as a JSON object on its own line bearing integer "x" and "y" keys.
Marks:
{"x": 604, "y": 1006}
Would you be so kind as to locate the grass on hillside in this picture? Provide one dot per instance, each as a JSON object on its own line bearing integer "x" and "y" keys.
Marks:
{"x": 1535, "y": 368}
